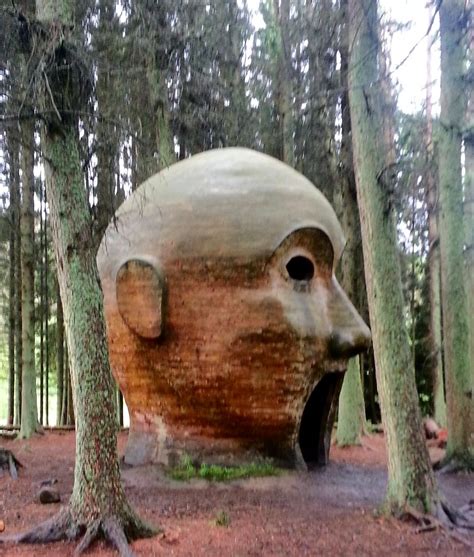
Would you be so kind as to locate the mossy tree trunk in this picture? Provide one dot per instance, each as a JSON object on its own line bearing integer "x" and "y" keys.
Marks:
{"x": 59, "y": 357}
{"x": 153, "y": 144}
{"x": 11, "y": 317}
{"x": 18, "y": 319}
{"x": 14, "y": 184}
{"x": 281, "y": 14}
{"x": 98, "y": 504}
{"x": 351, "y": 417}
{"x": 469, "y": 195}
{"x": 46, "y": 305}
{"x": 459, "y": 394}
{"x": 410, "y": 477}
{"x": 97, "y": 495}
{"x": 107, "y": 132}
{"x": 41, "y": 307}
{"x": 29, "y": 414}
{"x": 434, "y": 268}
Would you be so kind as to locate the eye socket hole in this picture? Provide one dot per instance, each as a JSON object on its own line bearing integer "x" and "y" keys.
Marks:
{"x": 300, "y": 268}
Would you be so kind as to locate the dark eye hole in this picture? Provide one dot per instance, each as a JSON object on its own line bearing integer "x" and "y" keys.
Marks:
{"x": 300, "y": 268}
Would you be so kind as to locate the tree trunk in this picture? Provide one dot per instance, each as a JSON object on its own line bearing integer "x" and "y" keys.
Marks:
{"x": 410, "y": 478}
{"x": 46, "y": 310}
{"x": 29, "y": 414}
{"x": 459, "y": 386}
{"x": 281, "y": 9}
{"x": 96, "y": 496}
{"x": 469, "y": 196}
{"x": 41, "y": 309}
{"x": 11, "y": 326}
{"x": 70, "y": 410}
{"x": 351, "y": 417}
{"x": 18, "y": 318}
{"x": 434, "y": 269}
{"x": 66, "y": 388}
{"x": 59, "y": 358}
{"x": 98, "y": 504}
{"x": 14, "y": 180}
{"x": 107, "y": 135}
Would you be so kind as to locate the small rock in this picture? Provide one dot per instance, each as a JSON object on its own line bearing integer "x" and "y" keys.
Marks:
{"x": 49, "y": 495}
{"x": 2, "y": 526}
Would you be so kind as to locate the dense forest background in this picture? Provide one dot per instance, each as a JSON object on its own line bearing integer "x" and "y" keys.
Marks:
{"x": 162, "y": 81}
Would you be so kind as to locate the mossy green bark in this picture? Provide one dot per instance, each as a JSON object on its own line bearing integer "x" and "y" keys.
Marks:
{"x": 469, "y": 222}
{"x": 351, "y": 417}
{"x": 459, "y": 387}
{"x": 351, "y": 422}
{"x": 14, "y": 336}
{"x": 434, "y": 268}
{"x": 439, "y": 402}
{"x": 410, "y": 477}
{"x": 56, "y": 10}
{"x": 59, "y": 357}
{"x": 97, "y": 488}
{"x": 98, "y": 501}
{"x": 29, "y": 413}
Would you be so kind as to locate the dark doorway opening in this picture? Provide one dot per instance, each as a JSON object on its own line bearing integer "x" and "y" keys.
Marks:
{"x": 314, "y": 437}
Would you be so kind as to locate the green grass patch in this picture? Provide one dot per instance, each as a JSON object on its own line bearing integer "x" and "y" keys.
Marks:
{"x": 186, "y": 470}
{"x": 222, "y": 519}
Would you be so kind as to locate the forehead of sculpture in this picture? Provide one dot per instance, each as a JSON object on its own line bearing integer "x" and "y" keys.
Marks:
{"x": 230, "y": 203}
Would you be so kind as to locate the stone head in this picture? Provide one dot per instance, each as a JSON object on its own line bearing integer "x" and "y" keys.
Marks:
{"x": 228, "y": 331}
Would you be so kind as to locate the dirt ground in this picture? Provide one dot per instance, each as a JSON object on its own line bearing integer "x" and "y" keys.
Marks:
{"x": 331, "y": 511}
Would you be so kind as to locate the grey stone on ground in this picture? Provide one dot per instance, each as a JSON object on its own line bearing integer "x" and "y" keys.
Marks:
{"x": 49, "y": 495}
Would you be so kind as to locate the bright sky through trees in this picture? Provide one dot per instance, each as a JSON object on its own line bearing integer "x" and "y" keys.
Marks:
{"x": 408, "y": 49}
{"x": 409, "y": 52}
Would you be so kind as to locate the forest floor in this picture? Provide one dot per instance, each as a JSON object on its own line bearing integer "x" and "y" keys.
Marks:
{"x": 330, "y": 511}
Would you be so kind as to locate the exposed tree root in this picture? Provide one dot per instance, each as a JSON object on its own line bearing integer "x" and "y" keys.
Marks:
{"x": 9, "y": 460}
{"x": 62, "y": 526}
{"x": 451, "y": 521}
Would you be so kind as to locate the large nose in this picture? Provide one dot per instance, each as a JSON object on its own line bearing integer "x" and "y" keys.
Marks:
{"x": 350, "y": 335}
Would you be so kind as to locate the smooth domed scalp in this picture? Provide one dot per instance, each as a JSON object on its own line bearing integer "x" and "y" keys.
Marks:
{"x": 229, "y": 203}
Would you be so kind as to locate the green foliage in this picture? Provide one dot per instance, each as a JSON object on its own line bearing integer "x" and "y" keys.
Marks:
{"x": 186, "y": 471}
{"x": 222, "y": 519}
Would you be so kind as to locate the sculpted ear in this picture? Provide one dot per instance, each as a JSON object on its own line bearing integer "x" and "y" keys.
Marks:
{"x": 140, "y": 297}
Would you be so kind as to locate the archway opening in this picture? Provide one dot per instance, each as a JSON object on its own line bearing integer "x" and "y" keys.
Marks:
{"x": 314, "y": 436}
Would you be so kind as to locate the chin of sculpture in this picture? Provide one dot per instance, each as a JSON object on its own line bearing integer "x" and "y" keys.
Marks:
{"x": 228, "y": 333}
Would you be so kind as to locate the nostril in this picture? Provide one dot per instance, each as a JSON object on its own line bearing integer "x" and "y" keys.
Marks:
{"x": 347, "y": 345}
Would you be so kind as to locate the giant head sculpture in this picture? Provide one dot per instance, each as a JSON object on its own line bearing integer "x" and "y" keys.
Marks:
{"x": 229, "y": 334}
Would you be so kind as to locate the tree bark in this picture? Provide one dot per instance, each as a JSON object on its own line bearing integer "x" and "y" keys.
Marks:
{"x": 98, "y": 504}
{"x": 434, "y": 269}
{"x": 18, "y": 318}
{"x": 41, "y": 309}
{"x": 59, "y": 357}
{"x": 459, "y": 388}
{"x": 46, "y": 308}
{"x": 29, "y": 414}
{"x": 14, "y": 182}
{"x": 410, "y": 478}
{"x": 469, "y": 193}
{"x": 351, "y": 418}
{"x": 281, "y": 13}
{"x": 107, "y": 134}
